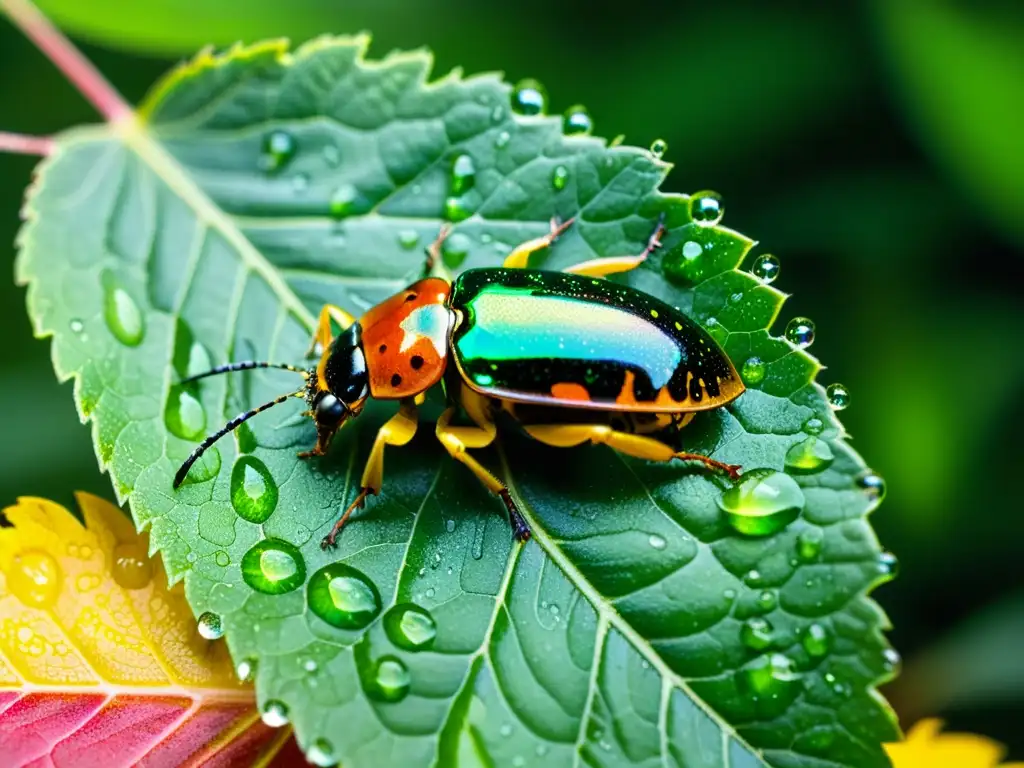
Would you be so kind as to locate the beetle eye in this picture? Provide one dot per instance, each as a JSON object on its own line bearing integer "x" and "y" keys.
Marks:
{"x": 329, "y": 410}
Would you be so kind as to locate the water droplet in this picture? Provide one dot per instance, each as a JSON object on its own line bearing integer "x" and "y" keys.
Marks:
{"x": 131, "y": 568}
{"x": 278, "y": 148}
{"x": 222, "y": 558}
{"x": 456, "y": 209}
{"x": 343, "y": 201}
{"x": 756, "y": 634}
{"x": 463, "y": 174}
{"x": 246, "y": 670}
{"x": 766, "y": 268}
{"x": 767, "y": 600}
{"x": 410, "y": 627}
{"x": 763, "y": 502}
{"x": 891, "y": 660}
{"x": 808, "y": 544}
{"x": 76, "y": 326}
{"x": 273, "y": 567}
{"x": 455, "y": 249}
{"x": 659, "y": 147}
{"x": 812, "y": 454}
{"x": 253, "y": 490}
{"x": 518, "y": 761}
{"x": 815, "y": 640}
{"x": 321, "y": 754}
{"x": 310, "y": 666}
{"x": 343, "y": 596}
{"x": 683, "y": 261}
{"x": 407, "y": 238}
{"x": 753, "y": 371}
{"x": 717, "y": 330}
{"x": 210, "y": 625}
{"x": 577, "y": 121}
{"x": 529, "y": 98}
{"x": 34, "y": 578}
{"x": 390, "y": 680}
{"x": 505, "y": 730}
{"x": 771, "y": 679}
{"x": 888, "y": 566}
{"x": 838, "y": 396}
{"x": 121, "y": 312}
{"x": 301, "y": 182}
{"x": 656, "y": 541}
{"x": 502, "y": 139}
{"x": 706, "y": 208}
{"x": 800, "y": 331}
{"x": 274, "y": 714}
{"x": 560, "y": 177}
{"x": 873, "y": 485}
{"x": 814, "y": 426}
{"x": 184, "y": 414}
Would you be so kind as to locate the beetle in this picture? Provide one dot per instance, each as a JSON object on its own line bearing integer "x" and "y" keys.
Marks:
{"x": 570, "y": 356}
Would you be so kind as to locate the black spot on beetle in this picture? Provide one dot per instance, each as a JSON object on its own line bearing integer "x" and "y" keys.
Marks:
{"x": 383, "y": 348}
{"x": 396, "y": 380}
{"x": 416, "y": 362}
{"x": 411, "y": 297}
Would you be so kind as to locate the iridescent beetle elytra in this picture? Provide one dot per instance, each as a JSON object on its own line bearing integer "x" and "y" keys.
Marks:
{"x": 572, "y": 357}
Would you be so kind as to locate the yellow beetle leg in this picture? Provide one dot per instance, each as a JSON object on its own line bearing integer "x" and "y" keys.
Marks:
{"x": 614, "y": 264}
{"x": 520, "y": 256}
{"x": 457, "y": 440}
{"x": 638, "y": 446}
{"x": 323, "y": 335}
{"x": 398, "y": 430}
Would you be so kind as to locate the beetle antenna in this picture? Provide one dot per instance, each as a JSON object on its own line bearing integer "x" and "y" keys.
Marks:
{"x": 240, "y": 419}
{"x": 245, "y": 365}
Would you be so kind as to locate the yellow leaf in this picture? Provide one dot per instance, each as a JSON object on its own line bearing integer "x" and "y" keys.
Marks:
{"x": 925, "y": 747}
{"x": 100, "y": 661}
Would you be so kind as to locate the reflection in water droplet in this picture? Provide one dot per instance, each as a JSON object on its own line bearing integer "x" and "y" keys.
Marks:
{"x": 343, "y": 201}
{"x": 210, "y": 625}
{"x": 753, "y": 371}
{"x": 131, "y": 567}
{"x": 253, "y": 490}
{"x": 767, "y": 600}
{"x": 343, "y": 596}
{"x": 246, "y": 670}
{"x": 812, "y": 454}
{"x": 706, "y": 208}
{"x": 184, "y": 414}
{"x": 278, "y": 148}
{"x": 814, "y": 426}
{"x": 772, "y": 683}
{"x": 407, "y": 238}
{"x": 529, "y": 98}
{"x": 577, "y": 121}
{"x": 456, "y": 209}
{"x": 390, "y": 680}
{"x": 888, "y": 566}
{"x": 463, "y": 175}
{"x": 683, "y": 261}
{"x": 34, "y": 578}
{"x": 800, "y": 331}
{"x": 756, "y": 634}
{"x": 838, "y": 396}
{"x": 76, "y": 326}
{"x": 659, "y": 147}
{"x": 274, "y": 714}
{"x": 763, "y": 502}
{"x": 310, "y": 665}
{"x": 808, "y": 544}
{"x": 873, "y": 485}
{"x": 656, "y": 541}
{"x": 222, "y": 558}
{"x": 502, "y": 139}
{"x": 891, "y": 660}
{"x": 321, "y": 754}
{"x": 766, "y": 268}
{"x": 560, "y": 177}
{"x": 273, "y": 567}
{"x": 121, "y": 312}
{"x": 455, "y": 249}
{"x": 815, "y": 640}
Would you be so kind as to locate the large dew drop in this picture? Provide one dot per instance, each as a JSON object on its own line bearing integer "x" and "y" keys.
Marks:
{"x": 343, "y": 597}
{"x": 766, "y": 268}
{"x": 210, "y": 626}
{"x": 455, "y": 249}
{"x": 838, "y": 396}
{"x": 124, "y": 319}
{"x": 463, "y": 176}
{"x": 131, "y": 568}
{"x": 321, "y": 754}
{"x": 34, "y": 578}
{"x": 577, "y": 121}
{"x": 410, "y": 627}
{"x": 275, "y": 713}
{"x": 815, "y": 640}
{"x": 529, "y": 98}
{"x": 763, "y": 502}
{"x": 253, "y": 490}
{"x": 812, "y": 454}
{"x": 343, "y": 202}
{"x": 559, "y": 177}
{"x": 756, "y": 634}
{"x": 273, "y": 567}
{"x": 390, "y": 680}
{"x": 753, "y": 371}
{"x": 873, "y": 485}
{"x": 772, "y": 683}
{"x": 707, "y": 208}
{"x": 277, "y": 150}
{"x": 184, "y": 414}
{"x": 659, "y": 147}
{"x": 800, "y": 331}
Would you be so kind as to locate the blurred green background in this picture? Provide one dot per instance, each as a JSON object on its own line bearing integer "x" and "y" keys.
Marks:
{"x": 876, "y": 147}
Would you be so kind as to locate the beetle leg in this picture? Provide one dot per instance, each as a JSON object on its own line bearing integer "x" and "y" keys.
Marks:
{"x": 398, "y": 430}
{"x": 457, "y": 440}
{"x": 638, "y": 446}
{"x": 519, "y": 258}
{"x": 323, "y": 335}
{"x": 613, "y": 264}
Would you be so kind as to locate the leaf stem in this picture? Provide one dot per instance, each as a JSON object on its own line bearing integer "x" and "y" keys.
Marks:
{"x": 19, "y": 144}
{"x": 68, "y": 59}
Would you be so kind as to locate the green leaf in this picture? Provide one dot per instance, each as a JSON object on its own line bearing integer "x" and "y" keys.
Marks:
{"x": 636, "y": 625}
